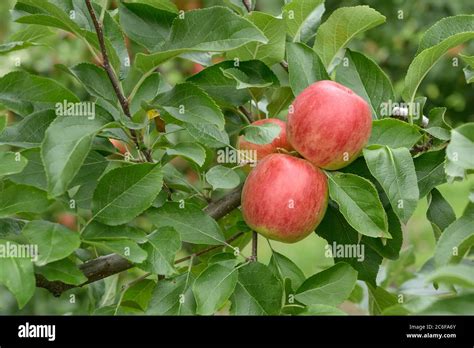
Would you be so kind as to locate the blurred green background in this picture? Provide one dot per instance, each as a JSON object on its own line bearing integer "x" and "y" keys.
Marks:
{"x": 392, "y": 45}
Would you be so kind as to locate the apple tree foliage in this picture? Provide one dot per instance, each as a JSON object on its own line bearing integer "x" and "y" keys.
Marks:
{"x": 143, "y": 208}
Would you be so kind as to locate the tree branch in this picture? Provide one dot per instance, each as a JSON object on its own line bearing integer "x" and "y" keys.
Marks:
{"x": 254, "y": 256}
{"x": 247, "y": 114}
{"x": 113, "y": 77}
{"x": 248, "y": 5}
{"x": 108, "y": 265}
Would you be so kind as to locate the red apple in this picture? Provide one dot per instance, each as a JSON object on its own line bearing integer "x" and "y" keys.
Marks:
{"x": 329, "y": 124}
{"x": 197, "y": 68}
{"x": 119, "y": 145}
{"x": 69, "y": 220}
{"x": 284, "y": 198}
{"x": 263, "y": 150}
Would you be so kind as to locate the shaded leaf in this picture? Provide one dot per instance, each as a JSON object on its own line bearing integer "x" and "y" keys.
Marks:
{"x": 55, "y": 242}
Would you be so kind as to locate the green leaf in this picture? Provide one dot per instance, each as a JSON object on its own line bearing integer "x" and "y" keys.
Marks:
{"x": 257, "y": 75}
{"x": 302, "y": 18}
{"x": 32, "y": 33}
{"x": 213, "y": 288}
{"x": 380, "y": 299}
{"x": 395, "y": 171}
{"x": 55, "y": 242}
{"x": 439, "y": 133}
{"x": 269, "y": 53}
{"x": 22, "y": 199}
{"x": 341, "y": 27}
{"x": 400, "y": 270}
{"x": 437, "y": 118}
{"x": 11, "y": 163}
{"x": 126, "y": 248}
{"x": 58, "y": 15}
{"x": 331, "y": 286}
{"x": 280, "y": 100}
{"x": 283, "y": 268}
{"x": 191, "y": 151}
{"x": 124, "y": 193}
{"x": 443, "y": 35}
{"x": 359, "y": 202}
{"x": 188, "y": 103}
{"x": 95, "y": 81}
{"x": 29, "y": 132}
{"x": 390, "y": 248}
{"x": 17, "y": 274}
{"x": 208, "y": 135}
{"x": 445, "y": 28}
{"x": 321, "y": 309}
{"x": 456, "y": 239}
{"x": 469, "y": 74}
{"x": 304, "y": 66}
{"x": 438, "y": 127}
{"x": 462, "y": 304}
{"x": 97, "y": 231}
{"x": 368, "y": 80}
{"x": 64, "y": 271}
{"x": 92, "y": 169}
{"x": 66, "y": 145}
{"x": 161, "y": 248}
{"x": 224, "y": 31}
{"x": 339, "y": 234}
{"x": 166, "y": 5}
{"x": 460, "y": 274}
{"x": 221, "y": 177}
{"x": 3, "y": 122}
{"x": 173, "y": 297}
{"x": 145, "y": 24}
{"x": 439, "y": 212}
{"x": 148, "y": 90}
{"x": 262, "y": 134}
{"x": 139, "y": 293}
{"x": 258, "y": 291}
{"x": 193, "y": 225}
{"x": 221, "y": 88}
{"x": 10, "y": 228}
{"x": 394, "y": 133}
{"x": 24, "y": 93}
{"x": 459, "y": 151}
{"x": 15, "y": 46}
{"x": 430, "y": 171}
{"x": 33, "y": 174}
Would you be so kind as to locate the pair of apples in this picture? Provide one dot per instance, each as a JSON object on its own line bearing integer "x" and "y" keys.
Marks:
{"x": 285, "y": 197}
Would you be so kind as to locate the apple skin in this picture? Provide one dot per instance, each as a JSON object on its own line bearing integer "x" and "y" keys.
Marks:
{"x": 69, "y": 220}
{"x": 119, "y": 145}
{"x": 263, "y": 150}
{"x": 329, "y": 125}
{"x": 284, "y": 198}
{"x": 197, "y": 68}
